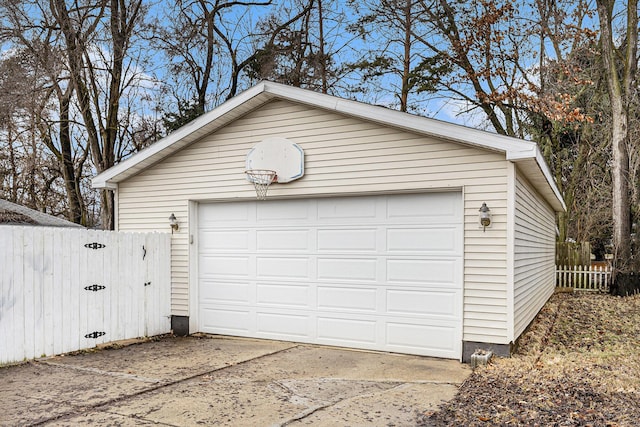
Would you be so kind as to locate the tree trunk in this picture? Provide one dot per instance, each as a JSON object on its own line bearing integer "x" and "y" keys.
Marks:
{"x": 620, "y": 177}
{"x": 406, "y": 60}
{"x": 107, "y": 202}
{"x": 323, "y": 59}
{"x": 76, "y": 211}
{"x": 619, "y": 87}
{"x": 13, "y": 186}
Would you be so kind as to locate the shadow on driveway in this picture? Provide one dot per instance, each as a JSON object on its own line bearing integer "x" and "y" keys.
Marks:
{"x": 211, "y": 380}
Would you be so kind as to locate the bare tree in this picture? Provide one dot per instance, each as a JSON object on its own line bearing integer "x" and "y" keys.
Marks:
{"x": 35, "y": 85}
{"x": 203, "y": 53}
{"x": 620, "y": 65}
{"x": 84, "y": 53}
{"x": 304, "y": 51}
{"x": 563, "y": 102}
{"x": 85, "y": 27}
{"x": 392, "y": 59}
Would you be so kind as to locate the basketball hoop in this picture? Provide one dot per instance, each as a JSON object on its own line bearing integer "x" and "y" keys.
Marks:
{"x": 261, "y": 179}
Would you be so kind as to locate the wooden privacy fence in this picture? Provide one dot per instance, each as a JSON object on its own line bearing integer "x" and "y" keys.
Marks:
{"x": 573, "y": 253}
{"x": 584, "y": 278}
{"x": 64, "y": 289}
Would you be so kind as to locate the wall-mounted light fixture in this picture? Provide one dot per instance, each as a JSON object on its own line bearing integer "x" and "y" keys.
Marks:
{"x": 485, "y": 216}
{"x": 173, "y": 222}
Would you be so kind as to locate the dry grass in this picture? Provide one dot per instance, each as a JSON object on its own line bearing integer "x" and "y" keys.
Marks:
{"x": 577, "y": 365}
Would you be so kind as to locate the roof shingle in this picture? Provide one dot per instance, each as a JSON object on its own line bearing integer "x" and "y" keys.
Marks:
{"x": 14, "y": 214}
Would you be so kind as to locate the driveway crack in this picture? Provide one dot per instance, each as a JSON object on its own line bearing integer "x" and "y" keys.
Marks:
{"x": 157, "y": 386}
{"x": 322, "y": 405}
{"x": 103, "y": 372}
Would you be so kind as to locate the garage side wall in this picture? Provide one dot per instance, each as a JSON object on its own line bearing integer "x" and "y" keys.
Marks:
{"x": 534, "y": 258}
{"x": 343, "y": 156}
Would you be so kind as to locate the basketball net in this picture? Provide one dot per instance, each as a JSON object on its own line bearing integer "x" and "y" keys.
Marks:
{"x": 261, "y": 179}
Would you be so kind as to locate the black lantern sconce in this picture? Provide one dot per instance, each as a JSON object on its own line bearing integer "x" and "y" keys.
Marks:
{"x": 485, "y": 216}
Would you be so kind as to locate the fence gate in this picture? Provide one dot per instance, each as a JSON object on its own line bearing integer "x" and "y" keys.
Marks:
{"x": 68, "y": 289}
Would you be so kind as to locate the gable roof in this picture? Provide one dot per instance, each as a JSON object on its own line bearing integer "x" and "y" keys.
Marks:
{"x": 525, "y": 153}
{"x": 14, "y": 214}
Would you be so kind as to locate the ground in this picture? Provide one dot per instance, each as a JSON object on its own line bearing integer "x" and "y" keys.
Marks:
{"x": 576, "y": 365}
{"x": 223, "y": 381}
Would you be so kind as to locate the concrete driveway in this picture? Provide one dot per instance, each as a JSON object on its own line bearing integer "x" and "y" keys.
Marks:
{"x": 226, "y": 381}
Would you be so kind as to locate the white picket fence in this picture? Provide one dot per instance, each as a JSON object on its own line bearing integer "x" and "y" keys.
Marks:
{"x": 584, "y": 278}
{"x": 64, "y": 289}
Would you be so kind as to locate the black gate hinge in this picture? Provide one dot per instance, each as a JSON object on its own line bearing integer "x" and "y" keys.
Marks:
{"x": 96, "y": 334}
{"x": 94, "y": 245}
{"x": 94, "y": 288}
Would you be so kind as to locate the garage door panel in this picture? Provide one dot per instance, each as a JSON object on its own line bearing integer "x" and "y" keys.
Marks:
{"x": 437, "y": 339}
{"x": 344, "y": 298}
{"x": 445, "y": 240}
{"x": 376, "y": 272}
{"x": 362, "y": 270}
{"x": 284, "y": 211}
{"x": 222, "y": 320}
{"x": 220, "y": 240}
{"x": 225, "y": 266}
{"x": 347, "y": 240}
{"x": 283, "y": 240}
{"x": 423, "y": 271}
{"x": 428, "y": 303}
{"x": 282, "y": 267}
{"x": 212, "y": 215}
{"x": 345, "y": 209}
{"x": 225, "y": 292}
{"x": 278, "y": 325}
{"x": 284, "y": 295}
{"x": 334, "y": 330}
{"x": 435, "y": 207}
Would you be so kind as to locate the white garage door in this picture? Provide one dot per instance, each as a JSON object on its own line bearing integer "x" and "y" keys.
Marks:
{"x": 377, "y": 272}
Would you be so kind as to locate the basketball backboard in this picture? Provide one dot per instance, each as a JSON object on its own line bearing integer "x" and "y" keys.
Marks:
{"x": 280, "y": 155}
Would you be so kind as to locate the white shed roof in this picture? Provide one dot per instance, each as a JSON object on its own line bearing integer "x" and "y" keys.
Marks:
{"x": 525, "y": 153}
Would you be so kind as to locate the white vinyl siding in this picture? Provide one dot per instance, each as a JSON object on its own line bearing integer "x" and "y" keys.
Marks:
{"x": 485, "y": 311}
{"x": 534, "y": 254}
{"x": 342, "y": 156}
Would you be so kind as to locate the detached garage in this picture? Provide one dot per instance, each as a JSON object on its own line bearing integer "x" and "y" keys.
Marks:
{"x": 382, "y": 230}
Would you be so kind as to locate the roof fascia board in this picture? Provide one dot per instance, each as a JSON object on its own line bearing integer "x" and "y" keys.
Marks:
{"x": 529, "y": 153}
{"x": 99, "y": 184}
